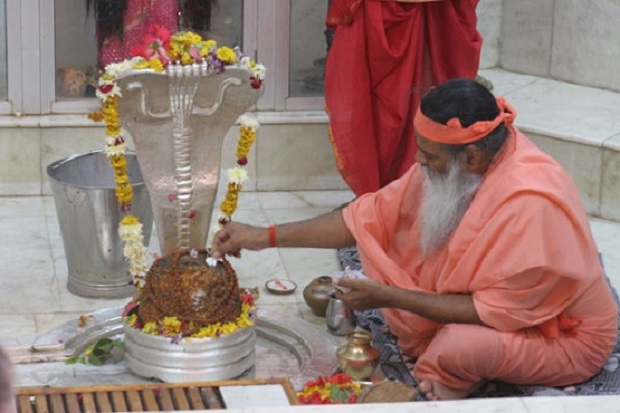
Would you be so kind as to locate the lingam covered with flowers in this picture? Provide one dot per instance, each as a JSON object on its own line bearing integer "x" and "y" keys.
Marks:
{"x": 177, "y": 98}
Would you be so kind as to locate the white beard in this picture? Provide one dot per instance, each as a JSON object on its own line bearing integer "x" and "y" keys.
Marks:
{"x": 445, "y": 199}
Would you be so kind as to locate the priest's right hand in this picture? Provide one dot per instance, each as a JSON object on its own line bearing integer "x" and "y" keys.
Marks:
{"x": 235, "y": 236}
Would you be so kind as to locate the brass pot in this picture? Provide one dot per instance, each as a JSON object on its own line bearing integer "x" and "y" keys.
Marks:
{"x": 358, "y": 358}
{"x": 316, "y": 294}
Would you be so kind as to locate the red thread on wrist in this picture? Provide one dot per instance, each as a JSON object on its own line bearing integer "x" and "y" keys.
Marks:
{"x": 272, "y": 236}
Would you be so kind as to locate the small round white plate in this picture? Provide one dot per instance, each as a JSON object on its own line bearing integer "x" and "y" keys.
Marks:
{"x": 280, "y": 286}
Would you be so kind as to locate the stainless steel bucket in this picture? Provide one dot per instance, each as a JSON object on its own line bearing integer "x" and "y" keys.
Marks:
{"x": 89, "y": 215}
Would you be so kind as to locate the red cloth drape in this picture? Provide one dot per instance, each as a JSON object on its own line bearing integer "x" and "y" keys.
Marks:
{"x": 385, "y": 55}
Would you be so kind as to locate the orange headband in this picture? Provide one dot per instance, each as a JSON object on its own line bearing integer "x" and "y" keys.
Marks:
{"x": 453, "y": 133}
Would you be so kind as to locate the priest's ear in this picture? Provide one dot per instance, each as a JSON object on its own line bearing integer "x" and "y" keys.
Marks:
{"x": 474, "y": 159}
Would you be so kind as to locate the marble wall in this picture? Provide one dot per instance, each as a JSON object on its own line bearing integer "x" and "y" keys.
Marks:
{"x": 489, "y": 14}
{"x": 570, "y": 40}
{"x": 285, "y": 157}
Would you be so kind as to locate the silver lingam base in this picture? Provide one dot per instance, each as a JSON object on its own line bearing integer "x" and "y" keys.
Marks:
{"x": 192, "y": 359}
{"x": 288, "y": 347}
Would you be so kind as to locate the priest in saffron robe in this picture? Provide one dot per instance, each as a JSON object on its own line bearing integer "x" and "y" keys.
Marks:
{"x": 480, "y": 257}
{"x": 384, "y": 56}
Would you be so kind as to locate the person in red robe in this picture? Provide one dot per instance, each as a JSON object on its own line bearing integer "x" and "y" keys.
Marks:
{"x": 480, "y": 257}
{"x": 122, "y": 24}
{"x": 384, "y": 56}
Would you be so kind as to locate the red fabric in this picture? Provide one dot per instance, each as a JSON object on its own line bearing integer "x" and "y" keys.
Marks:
{"x": 385, "y": 55}
{"x": 453, "y": 133}
{"x": 139, "y": 16}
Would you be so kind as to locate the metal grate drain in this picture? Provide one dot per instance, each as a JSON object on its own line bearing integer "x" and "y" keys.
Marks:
{"x": 134, "y": 398}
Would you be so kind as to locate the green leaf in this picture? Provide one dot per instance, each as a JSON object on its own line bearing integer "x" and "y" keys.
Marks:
{"x": 95, "y": 361}
{"x": 72, "y": 359}
{"x": 104, "y": 344}
{"x": 338, "y": 395}
{"x": 101, "y": 351}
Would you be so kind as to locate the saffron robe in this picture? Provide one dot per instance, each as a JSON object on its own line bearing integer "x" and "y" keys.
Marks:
{"x": 385, "y": 55}
{"x": 524, "y": 252}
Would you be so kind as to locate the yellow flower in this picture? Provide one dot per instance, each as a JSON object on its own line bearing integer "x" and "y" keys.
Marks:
{"x": 171, "y": 326}
{"x": 186, "y": 59}
{"x": 226, "y": 55}
{"x": 129, "y": 220}
{"x": 118, "y": 161}
{"x": 229, "y": 328}
{"x": 142, "y": 64}
{"x": 207, "y": 46}
{"x": 175, "y": 50}
{"x": 151, "y": 328}
{"x": 156, "y": 64}
{"x": 131, "y": 320}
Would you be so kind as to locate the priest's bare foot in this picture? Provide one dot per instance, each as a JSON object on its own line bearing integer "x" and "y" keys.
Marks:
{"x": 436, "y": 391}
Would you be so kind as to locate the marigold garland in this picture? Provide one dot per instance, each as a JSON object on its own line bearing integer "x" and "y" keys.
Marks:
{"x": 156, "y": 52}
{"x": 172, "y": 326}
{"x": 238, "y": 175}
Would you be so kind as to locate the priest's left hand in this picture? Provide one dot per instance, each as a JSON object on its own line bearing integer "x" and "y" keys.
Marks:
{"x": 362, "y": 294}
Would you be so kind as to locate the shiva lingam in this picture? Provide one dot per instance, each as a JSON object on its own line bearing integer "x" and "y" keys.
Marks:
{"x": 178, "y": 144}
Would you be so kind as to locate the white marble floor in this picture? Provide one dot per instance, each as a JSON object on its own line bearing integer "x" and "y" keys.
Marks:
{"x": 34, "y": 273}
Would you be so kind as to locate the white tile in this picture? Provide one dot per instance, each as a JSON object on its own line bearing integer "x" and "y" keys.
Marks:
{"x": 28, "y": 283}
{"x": 505, "y": 82}
{"x": 255, "y": 268}
{"x": 495, "y": 405}
{"x": 570, "y": 112}
{"x": 572, "y": 404}
{"x": 15, "y": 326}
{"x": 307, "y": 314}
{"x": 280, "y": 216}
{"x": 305, "y": 199}
{"x": 12, "y": 208}
{"x": 240, "y": 397}
{"x": 68, "y": 301}
{"x": 47, "y": 321}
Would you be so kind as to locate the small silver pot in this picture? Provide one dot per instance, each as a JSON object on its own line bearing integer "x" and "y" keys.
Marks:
{"x": 339, "y": 316}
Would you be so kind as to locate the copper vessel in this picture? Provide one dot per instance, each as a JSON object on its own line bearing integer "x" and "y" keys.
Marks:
{"x": 358, "y": 358}
{"x": 316, "y": 294}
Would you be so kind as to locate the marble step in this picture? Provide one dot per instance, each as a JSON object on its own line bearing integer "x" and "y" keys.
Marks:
{"x": 579, "y": 126}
